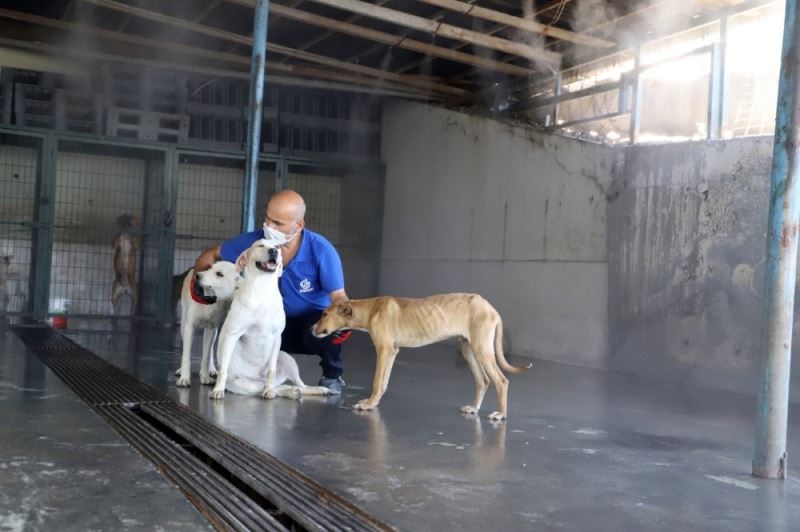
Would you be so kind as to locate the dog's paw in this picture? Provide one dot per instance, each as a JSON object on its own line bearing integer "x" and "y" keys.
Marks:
{"x": 364, "y": 404}
{"x": 294, "y": 393}
{"x": 469, "y": 409}
{"x": 497, "y": 416}
{"x": 178, "y": 372}
{"x": 217, "y": 393}
{"x": 208, "y": 379}
{"x": 269, "y": 393}
{"x": 183, "y": 382}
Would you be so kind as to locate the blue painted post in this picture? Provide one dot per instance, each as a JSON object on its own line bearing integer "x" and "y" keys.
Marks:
{"x": 636, "y": 98}
{"x": 254, "y": 124}
{"x": 784, "y": 206}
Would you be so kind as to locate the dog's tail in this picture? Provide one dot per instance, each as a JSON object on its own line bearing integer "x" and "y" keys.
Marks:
{"x": 498, "y": 351}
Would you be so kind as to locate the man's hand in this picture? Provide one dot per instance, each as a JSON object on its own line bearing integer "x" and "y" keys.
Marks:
{"x": 207, "y": 259}
{"x": 340, "y": 336}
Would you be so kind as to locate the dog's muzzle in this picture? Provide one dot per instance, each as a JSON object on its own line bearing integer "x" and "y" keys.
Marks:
{"x": 271, "y": 263}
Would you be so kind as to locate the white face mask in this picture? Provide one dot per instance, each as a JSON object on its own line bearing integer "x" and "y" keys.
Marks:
{"x": 276, "y": 237}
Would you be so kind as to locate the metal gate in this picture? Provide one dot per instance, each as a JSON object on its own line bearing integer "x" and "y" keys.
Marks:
{"x": 20, "y": 158}
{"x": 99, "y": 222}
{"x": 65, "y": 198}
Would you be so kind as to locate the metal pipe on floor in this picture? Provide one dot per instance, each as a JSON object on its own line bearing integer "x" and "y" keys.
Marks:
{"x": 781, "y": 267}
{"x": 260, "y": 17}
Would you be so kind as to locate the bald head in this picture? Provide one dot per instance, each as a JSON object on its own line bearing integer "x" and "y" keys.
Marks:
{"x": 288, "y": 203}
{"x": 286, "y": 211}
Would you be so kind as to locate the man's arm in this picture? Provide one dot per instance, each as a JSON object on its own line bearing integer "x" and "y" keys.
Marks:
{"x": 207, "y": 259}
{"x": 338, "y": 295}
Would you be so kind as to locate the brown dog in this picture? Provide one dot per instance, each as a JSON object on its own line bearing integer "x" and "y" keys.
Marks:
{"x": 402, "y": 322}
{"x": 126, "y": 257}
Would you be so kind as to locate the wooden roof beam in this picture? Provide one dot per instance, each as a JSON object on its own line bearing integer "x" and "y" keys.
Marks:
{"x": 516, "y": 22}
{"x": 390, "y": 39}
{"x": 401, "y": 18}
{"x": 241, "y": 39}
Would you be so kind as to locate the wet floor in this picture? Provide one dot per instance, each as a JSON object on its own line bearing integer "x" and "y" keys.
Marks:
{"x": 582, "y": 449}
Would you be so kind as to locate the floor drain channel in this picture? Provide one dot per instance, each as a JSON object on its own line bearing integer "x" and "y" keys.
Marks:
{"x": 234, "y": 484}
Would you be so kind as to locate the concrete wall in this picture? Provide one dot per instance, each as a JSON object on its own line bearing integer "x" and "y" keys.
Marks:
{"x": 687, "y": 241}
{"x": 646, "y": 260}
{"x": 518, "y": 216}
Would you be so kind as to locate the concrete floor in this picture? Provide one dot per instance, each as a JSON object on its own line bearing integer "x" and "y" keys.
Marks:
{"x": 582, "y": 449}
{"x": 63, "y": 468}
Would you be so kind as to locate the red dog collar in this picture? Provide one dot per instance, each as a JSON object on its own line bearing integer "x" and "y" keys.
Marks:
{"x": 198, "y": 297}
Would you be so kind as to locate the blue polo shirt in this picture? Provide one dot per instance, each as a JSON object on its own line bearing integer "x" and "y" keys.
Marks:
{"x": 312, "y": 274}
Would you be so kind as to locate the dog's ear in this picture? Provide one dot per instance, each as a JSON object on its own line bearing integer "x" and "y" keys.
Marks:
{"x": 241, "y": 261}
{"x": 345, "y": 309}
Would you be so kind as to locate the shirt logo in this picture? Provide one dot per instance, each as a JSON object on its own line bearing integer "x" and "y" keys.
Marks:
{"x": 305, "y": 286}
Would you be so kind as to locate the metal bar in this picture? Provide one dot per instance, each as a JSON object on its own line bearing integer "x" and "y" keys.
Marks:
{"x": 781, "y": 267}
{"x": 557, "y": 91}
{"x": 42, "y": 245}
{"x": 636, "y": 98}
{"x": 717, "y": 90}
{"x": 281, "y": 174}
{"x": 166, "y": 247}
{"x": 260, "y": 17}
{"x": 554, "y": 100}
{"x": 579, "y": 121}
{"x": 717, "y": 73}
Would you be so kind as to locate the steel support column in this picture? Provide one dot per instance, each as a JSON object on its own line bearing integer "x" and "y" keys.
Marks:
{"x": 773, "y": 397}
{"x": 636, "y": 98}
{"x": 166, "y": 236}
{"x": 254, "y": 114}
{"x": 717, "y": 92}
{"x": 44, "y": 212}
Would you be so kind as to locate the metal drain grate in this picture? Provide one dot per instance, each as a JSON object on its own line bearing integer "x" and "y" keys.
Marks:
{"x": 94, "y": 380}
{"x": 234, "y": 484}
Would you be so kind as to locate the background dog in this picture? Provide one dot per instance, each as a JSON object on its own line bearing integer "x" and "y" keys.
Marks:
{"x": 250, "y": 360}
{"x": 12, "y": 293}
{"x": 403, "y": 322}
{"x": 220, "y": 282}
{"x": 126, "y": 257}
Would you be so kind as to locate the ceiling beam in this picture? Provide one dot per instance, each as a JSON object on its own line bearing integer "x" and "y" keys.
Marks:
{"x": 532, "y": 26}
{"x": 498, "y": 28}
{"x": 359, "y": 84}
{"x": 316, "y": 20}
{"x": 234, "y": 58}
{"x": 390, "y": 39}
{"x": 449, "y": 31}
{"x": 327, "y": 33}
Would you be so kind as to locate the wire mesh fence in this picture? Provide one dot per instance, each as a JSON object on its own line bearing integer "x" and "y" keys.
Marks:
{"x": 99, "y": 208}
{"x": 124, "y": 214}
{"x": 19, "y": 163}
{"x": 209, "y": 206}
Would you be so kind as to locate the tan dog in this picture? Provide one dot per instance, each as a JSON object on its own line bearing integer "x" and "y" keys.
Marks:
{"x": 402, "y": 322}
{"x": 126, "y": 256}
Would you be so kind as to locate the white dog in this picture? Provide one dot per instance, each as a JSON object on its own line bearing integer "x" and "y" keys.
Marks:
{"x": 206, "y": 311}
{"x": 249, "y": 355}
